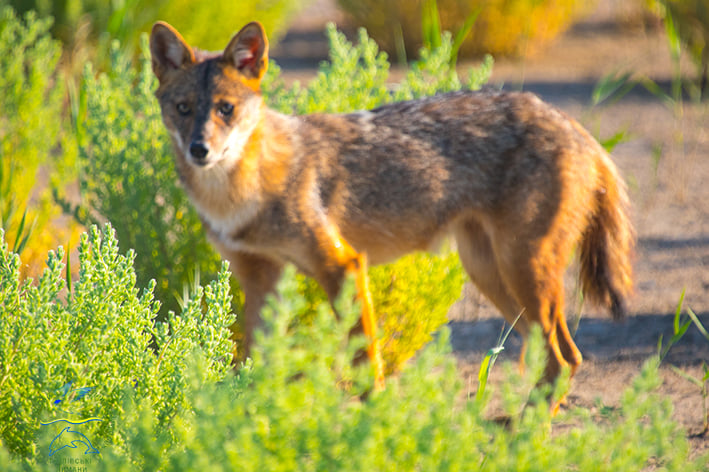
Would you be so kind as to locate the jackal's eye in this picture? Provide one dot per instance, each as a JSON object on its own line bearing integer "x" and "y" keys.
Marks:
{"x": 183, "y": 109}
{"x": 225, "y": 109}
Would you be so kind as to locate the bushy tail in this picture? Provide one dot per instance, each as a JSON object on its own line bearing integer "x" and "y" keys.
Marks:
{"x": 607, "y": 245}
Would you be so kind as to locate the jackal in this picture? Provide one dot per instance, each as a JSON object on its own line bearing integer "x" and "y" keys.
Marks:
{"x": 515, "y": 181}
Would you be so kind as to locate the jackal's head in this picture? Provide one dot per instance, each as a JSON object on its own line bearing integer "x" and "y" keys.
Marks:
{"x": 212, "y": 104}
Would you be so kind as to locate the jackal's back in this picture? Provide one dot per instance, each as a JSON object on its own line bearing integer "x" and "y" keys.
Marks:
{"x": 421, "y": 165}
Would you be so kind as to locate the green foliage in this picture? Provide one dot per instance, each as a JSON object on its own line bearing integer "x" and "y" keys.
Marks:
{"x": 502, "y": 27}
{"x": 297, "y": 406}
{"x": 99, "y": 335}
{"x": 356, "y": 77}
{"x": 9, "y": 209}
{"x": 127, "y": 176}
{"x": 687, "y": 22}
{"x": 431, "y": 29}
{"x": 77, "y": 20}
{"x": 30, "y": 99}
{"x": 687, "y": 32}
{"x": 362, "y": 67}
{"x": 31, "y": 118}
{"x": 679, "y": 328}
{"x": 411, "y": 299}
{"x": 490, "y": 359}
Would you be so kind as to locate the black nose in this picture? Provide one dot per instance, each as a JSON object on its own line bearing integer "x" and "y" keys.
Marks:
{"x": 199, "y": 150}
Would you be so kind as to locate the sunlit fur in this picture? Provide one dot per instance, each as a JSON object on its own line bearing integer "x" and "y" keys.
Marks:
{"x": 516, "y": 182}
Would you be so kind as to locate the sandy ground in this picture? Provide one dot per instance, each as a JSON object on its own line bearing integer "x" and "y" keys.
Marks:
{"x": 666, "y": 164}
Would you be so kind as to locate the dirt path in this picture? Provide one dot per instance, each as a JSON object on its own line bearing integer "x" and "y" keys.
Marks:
{"x": 666, "y": 164}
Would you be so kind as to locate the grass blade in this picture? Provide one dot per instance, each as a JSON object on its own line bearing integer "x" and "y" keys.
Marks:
{"x": 609, "y": 144}
{"x": 612, "y": 87}
{"x": 485, "y": 369}
{"x": 652, "y": 87}
{"x": 678, "y": 311}
{"x": 23, "y": 235}
{"x": 463, "y": 33}
{"x": 698, "y": 323}
{"x": 686, "y": 376}
{"x": 68, "y": 269}
{"x": 490, "y": 358}
{"x": 430, "y": 25}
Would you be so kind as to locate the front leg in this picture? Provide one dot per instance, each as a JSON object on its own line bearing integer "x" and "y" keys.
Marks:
{"x": 257, "y": 277}
{"x": 338, "y": 258}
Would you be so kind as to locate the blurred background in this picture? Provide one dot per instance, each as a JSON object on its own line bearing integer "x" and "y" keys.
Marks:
{"x": 503, "y": 28}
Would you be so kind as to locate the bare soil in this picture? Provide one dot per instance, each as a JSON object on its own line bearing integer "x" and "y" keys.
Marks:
{"x": 666, "y": 164}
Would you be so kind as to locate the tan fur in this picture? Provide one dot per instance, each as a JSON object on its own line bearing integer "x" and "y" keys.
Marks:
{"x": 515, "y": 181}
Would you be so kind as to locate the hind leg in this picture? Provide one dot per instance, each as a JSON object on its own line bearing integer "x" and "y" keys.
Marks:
{"x": 517, "y": 280}
{"x": 476, "y": 255}
{"x": 533, "y": 273}
{"x": 568, "y": 347}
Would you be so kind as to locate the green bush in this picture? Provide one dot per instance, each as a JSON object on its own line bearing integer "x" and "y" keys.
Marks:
{"x": 503, "y": 27}
{"x": 356, "y": 77}
{"x": 32, "y": 134}
{"x": 408, "y": 319}
{"x": 297, "y": 406}
{"x": 97, "y": 333}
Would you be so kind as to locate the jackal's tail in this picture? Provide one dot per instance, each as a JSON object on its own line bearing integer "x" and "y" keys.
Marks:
{"x": 607, "y": 244}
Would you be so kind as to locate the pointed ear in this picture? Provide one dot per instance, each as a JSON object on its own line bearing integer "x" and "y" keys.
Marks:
{"x": 169, "y": 50}
{"x": 248, "y": 51}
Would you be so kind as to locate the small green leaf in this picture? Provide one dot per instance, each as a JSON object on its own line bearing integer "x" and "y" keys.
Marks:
{"x": 609, "y": 144}
{"x": 484, "y": 373}
{"x": 462, "y": 34}
{"x": 698, "y": 323}
{"x": 686, "y": 376}
{"x": 678, "y": 311}
{"x": 612, "y": 87}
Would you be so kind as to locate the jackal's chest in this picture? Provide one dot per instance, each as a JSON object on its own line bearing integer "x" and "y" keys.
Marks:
{"x": 226, "y": 227}
{"x": 252, "y": 227}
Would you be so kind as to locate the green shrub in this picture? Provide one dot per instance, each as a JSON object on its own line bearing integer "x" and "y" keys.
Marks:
{"x": 407, "y": 318}
{"x": 356, "y": 77}
{"x": 32, "y": 133}
{"x": 97, "y": 334}
{"x": 295, "y": 407}
{"x": 503, "y": 27}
